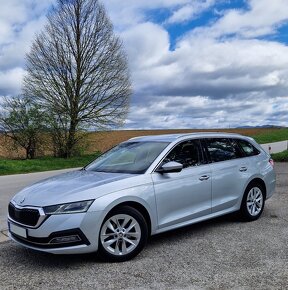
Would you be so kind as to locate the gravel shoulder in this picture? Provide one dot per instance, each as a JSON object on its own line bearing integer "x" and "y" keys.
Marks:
{"x": 218, "y": 254}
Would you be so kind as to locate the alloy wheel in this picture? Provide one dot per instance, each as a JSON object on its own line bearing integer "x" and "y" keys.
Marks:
{"x": 254, "y": 201}
{"x": 120, "y": 234}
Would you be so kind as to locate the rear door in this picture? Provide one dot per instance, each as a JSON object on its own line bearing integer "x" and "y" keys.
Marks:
{"x": 230, "y": 172}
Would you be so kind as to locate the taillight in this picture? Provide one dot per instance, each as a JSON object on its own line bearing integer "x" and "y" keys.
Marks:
{"x": 271, "y": 161}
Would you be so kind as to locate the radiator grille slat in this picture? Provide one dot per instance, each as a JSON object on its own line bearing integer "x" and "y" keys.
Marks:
{"x": 25, "y": 216}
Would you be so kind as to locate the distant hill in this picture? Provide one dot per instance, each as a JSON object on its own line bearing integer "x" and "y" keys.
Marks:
{"x": 262, "y": 126}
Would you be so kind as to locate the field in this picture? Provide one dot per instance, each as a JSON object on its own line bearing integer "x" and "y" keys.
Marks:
{"x": 102, "y": 141}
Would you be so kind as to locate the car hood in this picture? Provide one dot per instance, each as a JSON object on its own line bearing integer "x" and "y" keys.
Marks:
{"x": 66, "y": 187}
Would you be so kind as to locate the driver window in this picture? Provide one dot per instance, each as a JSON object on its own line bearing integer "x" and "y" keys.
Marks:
{"x": 187, "y": 153}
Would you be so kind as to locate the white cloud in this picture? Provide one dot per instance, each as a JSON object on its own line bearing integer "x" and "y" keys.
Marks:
{"x": 10, "y": 81}
{"x": 146, "y": 44}
{"x": 206, "y": 66}
{"x": 249, "y": 74}
{"x": 130, "y": 12}
{"x": 262, "y": 18}
{"x": 13, "y": 53}
{"x": 190, "y": 11}
{"x": 218, "y": 75}
{"x": 19, "y": 21}
{"x": 203, "y": 112}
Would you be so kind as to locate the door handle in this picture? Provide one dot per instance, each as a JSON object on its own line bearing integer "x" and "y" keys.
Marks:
{"x": 204, "y": 177}
{"x": 243, "y": 168}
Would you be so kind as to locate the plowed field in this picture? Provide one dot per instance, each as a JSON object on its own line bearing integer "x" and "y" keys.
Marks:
{"x": 101, "y": 141}
{"x": 105, "y": 140}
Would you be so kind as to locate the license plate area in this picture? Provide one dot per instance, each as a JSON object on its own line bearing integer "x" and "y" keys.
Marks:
{"x": 19, "y": 231}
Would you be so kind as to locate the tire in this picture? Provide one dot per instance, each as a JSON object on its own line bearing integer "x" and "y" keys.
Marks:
{"x": 253, "y": 202}
{"x": 123, "y": 234}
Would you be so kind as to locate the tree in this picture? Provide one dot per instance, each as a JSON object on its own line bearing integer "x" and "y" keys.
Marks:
{"x": 77, "y": 68}
{"x": 59, "y": 132}
{"x": 23, "y": 122}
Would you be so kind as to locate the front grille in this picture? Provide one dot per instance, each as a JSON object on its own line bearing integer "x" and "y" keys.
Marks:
{"x": 25, "y": 216}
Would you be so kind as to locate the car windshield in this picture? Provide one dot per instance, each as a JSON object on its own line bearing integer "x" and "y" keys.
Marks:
{"x": 128, "y": 157}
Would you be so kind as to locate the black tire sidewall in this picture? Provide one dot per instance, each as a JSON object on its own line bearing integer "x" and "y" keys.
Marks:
{"x": 143, "y": 240}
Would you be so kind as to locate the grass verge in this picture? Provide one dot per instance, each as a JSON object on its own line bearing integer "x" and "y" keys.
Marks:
{"x": 280, "y": 157}
{"x": 272, "y": 136}
{"x": 8, "y": 166}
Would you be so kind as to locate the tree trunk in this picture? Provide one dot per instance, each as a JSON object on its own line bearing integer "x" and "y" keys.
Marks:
{"x": 71, "y": 139}
{"x": 30, "y": 152}
{"x": 27, "y": 152}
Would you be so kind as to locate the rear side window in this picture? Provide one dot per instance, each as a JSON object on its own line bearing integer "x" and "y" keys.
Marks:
{"x": 248, "y": 148}
{"x": 221, "y": 149}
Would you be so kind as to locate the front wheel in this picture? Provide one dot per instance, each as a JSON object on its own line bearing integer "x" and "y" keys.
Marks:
{"x": 123, "y": 234}
{"x": 253, "y": 202}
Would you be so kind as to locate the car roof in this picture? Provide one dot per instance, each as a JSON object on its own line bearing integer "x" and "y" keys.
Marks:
{"x": 173, "y": 137}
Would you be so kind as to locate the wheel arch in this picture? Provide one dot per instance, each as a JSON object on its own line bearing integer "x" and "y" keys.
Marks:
{"x": 138, "y": 206}
{"x": 261, "y": 182}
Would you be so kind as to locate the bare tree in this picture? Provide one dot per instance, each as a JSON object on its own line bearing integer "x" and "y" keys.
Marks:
{"x": 77, "y": 68}
{"x": 23, "y": 122}
{"x": 59, "y": 132}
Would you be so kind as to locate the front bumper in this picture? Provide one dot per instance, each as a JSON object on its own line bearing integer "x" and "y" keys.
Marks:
{"x": 84, "y": 227}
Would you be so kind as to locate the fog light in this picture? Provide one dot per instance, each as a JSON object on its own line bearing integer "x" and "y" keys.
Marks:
{"x": 66, "y": 239}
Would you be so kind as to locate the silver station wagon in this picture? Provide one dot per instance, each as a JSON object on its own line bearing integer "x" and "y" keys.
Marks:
{"x": 144, "y": 186}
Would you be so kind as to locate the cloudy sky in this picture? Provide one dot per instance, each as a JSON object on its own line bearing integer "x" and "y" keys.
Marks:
{"x": 194, "y": 63}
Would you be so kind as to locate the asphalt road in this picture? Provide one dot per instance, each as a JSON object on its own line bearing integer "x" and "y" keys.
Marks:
{"x": 11, "y": 184}
{"x": 219, "y": 254}
{"x": 275, "y": 147}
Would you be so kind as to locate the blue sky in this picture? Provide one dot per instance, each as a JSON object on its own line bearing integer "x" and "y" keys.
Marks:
{"x": 193, "y": 63}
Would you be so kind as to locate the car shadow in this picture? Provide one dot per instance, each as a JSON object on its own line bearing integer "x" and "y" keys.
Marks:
{"x": 194, "y": 229}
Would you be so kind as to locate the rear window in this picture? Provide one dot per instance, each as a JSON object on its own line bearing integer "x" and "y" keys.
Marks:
{"x": 221, "y": 149}
{"x": 248, "y": 148}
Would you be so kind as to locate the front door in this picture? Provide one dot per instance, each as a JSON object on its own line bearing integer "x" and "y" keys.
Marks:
{"x": 183, "y": 196}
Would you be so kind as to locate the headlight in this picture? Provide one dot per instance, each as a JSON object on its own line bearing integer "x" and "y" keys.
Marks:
{"x": 74, "y": 207}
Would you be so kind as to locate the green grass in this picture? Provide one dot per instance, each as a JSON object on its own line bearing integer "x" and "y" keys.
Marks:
{"x": 43, "y": 164}
{"x": 280, "y": 157}
{"x": 272, "y": 136}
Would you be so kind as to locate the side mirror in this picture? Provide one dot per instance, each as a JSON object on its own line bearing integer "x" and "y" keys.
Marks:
{"x": 170, "y": 167}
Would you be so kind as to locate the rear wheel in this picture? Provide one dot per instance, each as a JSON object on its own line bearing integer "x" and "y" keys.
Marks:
{"x": 253, "y": 202}
{"x": 123, "y": 234}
